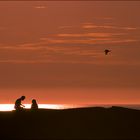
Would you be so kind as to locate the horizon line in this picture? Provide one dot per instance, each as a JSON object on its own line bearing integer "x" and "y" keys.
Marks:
{"x": 10, "y": 107}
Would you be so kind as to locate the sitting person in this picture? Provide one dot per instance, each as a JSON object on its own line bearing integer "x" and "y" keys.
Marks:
{"x": 18, "y": 105}
{"x": 34, "y": 105}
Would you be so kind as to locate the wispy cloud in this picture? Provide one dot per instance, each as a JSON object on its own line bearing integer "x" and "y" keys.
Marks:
{"x": 71, "y": 46}
{"x": 93, "y": 26}
{"x": 40, "y": 7}
{"x": 90, "y": 35}
{"x": 88, "y": 41}
{"x": 66, "y": 27}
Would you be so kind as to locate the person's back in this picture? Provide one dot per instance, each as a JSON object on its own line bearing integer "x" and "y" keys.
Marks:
{"x": 34, "y": 105}
{"x": 18, "y": 105}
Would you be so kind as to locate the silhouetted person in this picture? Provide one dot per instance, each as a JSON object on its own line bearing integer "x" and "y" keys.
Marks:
{"x": 34, "y": 105}
{"x": 18, "y": 105}
{"x": 107, "y": 51}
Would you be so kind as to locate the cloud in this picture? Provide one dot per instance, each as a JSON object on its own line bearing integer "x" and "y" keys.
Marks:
{"x": 90, "y": 35}
{"x": 101, "y": 41}
{"x": 42, "y": 53}
{"x": 122, "y": 41}
{"x": 40, "y": 7}
{"x": 100, "y": 59}
{"x": 78, "y": 46}
{"x": 14, "y": 61}
{"x": 66, "y": 27}
{"x": 29, "y": 54}
{"x": 94, "y": 26}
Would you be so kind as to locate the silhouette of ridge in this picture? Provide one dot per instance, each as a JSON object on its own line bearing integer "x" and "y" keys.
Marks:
{"x": 89, "y": 123}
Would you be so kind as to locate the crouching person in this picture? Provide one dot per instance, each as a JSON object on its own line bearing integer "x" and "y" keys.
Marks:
{"x": 18, "y": 106}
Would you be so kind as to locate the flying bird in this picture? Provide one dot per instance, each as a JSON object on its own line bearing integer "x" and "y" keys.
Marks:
{"x": 107, "y": 51}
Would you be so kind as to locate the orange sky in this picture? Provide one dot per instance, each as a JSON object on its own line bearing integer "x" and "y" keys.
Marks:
{"x": 53, "y": 51}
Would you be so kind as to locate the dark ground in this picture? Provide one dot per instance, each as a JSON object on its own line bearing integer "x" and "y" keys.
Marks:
{"x": 93, "y": 123}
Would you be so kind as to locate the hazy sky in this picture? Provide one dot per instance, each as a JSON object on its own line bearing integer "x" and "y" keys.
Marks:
{"x": 54, "y": 52}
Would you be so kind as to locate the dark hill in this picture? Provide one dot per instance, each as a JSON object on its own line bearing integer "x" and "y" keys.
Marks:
{"x": 82, "y": 123}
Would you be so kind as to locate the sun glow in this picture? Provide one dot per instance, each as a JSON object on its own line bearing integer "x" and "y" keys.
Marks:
{"x": 10, "y": 107}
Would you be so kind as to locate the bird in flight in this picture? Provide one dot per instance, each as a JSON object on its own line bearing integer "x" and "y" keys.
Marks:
{"x": 107, "y": 51}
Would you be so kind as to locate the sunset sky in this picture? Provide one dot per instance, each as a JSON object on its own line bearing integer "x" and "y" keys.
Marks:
{"x": 54, "y": 52}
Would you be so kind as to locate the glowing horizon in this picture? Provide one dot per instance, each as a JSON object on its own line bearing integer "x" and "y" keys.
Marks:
{"x": 10, "y": 107}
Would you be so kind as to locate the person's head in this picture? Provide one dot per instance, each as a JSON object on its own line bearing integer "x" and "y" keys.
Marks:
{"x": 22, "y": 97}
{"x": 33, "y": 101}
